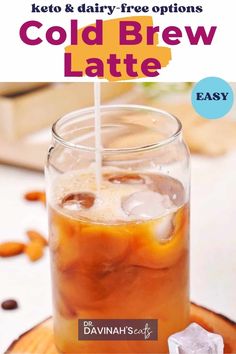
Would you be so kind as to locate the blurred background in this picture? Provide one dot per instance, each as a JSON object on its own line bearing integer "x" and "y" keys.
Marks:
{"x": 27, "y": 111}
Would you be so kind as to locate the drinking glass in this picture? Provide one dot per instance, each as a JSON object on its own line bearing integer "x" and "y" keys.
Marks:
{"x": 119, "y": 233}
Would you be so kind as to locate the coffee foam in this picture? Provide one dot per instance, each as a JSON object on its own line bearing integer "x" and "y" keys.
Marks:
{"x": 107, "y": 207}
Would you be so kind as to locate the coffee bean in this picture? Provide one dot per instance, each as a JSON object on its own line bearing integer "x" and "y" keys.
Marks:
{"x": 9, "y": 304}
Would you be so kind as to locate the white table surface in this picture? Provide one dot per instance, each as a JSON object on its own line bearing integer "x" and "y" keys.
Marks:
{"x": 213, "y": 244}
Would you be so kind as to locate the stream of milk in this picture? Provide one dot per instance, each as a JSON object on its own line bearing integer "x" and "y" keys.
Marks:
{"x": 98, "y": 137}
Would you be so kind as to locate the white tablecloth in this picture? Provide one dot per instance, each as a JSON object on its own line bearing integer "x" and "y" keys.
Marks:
{"x": 213, "y": 244}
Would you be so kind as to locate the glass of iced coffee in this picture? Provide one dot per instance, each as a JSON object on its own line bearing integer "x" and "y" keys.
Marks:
{"x": 119, "y": 232}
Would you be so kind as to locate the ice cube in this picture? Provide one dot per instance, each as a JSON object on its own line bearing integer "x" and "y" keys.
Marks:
{"x": 145, "y": 205}
{"x": 127, "y": 179}
{"x": 78, "y": 201}
{"x": 165, "y": 228}
{"x": 168, "y": 186}
{"x": 195, "y": 340}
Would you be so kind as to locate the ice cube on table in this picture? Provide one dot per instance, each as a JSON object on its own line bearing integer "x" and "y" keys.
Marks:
{"x": 146, "y": 204}
{"x": 195, "y": 340}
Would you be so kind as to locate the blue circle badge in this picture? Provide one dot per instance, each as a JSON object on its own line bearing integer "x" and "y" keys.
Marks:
{"x": 212, "y": 97}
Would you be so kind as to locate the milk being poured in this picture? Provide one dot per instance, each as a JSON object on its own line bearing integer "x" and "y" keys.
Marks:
{"x": 97, "y": 125}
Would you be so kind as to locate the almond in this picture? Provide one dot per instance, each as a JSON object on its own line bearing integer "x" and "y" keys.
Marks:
{"x": 36, "y": 236}
{"x": 9, "y": 249}
{"x": 34, "y": 250}
{"x": 43, "y": 198}
{"x": 35, "y": 196}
